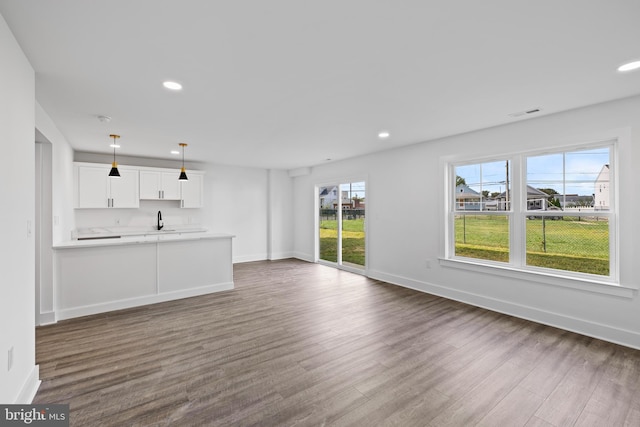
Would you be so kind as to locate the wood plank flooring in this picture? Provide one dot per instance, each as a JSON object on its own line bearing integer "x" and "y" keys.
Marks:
{"x": 307, "y": 345}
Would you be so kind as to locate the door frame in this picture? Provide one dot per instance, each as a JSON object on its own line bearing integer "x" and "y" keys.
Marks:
{"x": 316, "y": 223}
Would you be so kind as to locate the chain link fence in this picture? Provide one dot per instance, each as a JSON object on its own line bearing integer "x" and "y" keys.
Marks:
{"x": 571, "y": 243}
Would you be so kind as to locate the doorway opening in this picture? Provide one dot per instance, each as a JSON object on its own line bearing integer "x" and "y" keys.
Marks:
{"x": 341, "y": 231}
{"x": 43, "y": 232}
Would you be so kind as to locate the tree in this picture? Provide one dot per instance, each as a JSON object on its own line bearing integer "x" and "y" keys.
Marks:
{"x": 585, "y": 201}
{"x": 495, "y": 194}
{"x": 549, "y": 191}
{"x": 460, "y": 180}
{"x": 485, "y": 194}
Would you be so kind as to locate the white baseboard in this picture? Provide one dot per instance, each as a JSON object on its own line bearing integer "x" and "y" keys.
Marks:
{"x": 249, "y": 258}
{"x": 86, "y": 310}
{"x": 280, "y": 255}
{"x": 30, "y": 387}
{"x": 304, "y": 257}
{"x": 47, "y": 318}
{"x": 581, "y": 326}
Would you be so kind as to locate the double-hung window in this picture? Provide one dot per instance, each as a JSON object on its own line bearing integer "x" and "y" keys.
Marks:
{"x": 551, "y": 212}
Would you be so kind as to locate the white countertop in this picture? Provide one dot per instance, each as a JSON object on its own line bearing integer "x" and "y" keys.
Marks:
{"x": 105, "y": 232}
{"x": 112, "y": 237}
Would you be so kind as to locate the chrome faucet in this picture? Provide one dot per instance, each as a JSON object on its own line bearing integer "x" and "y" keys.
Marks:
{"x": 160, "y": 224}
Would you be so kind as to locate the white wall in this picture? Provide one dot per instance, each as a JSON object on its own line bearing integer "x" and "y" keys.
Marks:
{"x": 57, "y": 219}
{"x": 400, "y": 245}
{"x": 62, "y": 176}
{"x": 146, "y": 215}
{"x": 17, "y": 259}
{"x": 280, "y": 215}
{"x": 237, "y": 203}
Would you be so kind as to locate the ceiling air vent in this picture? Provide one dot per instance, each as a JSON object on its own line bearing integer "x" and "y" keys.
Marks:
{"x": 524, "y": 113}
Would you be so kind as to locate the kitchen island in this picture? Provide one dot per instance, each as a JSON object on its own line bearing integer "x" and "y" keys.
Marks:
{"x": 104, "y": 274}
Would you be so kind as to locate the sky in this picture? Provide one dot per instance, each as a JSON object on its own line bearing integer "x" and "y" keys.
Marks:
{"x": 356, "y": 188}
{"x": 572, "y": 172}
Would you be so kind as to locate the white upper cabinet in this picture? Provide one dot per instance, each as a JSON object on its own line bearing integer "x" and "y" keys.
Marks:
{"x": 95, "y": 189}
{"x": 192, "y": 190}
{"x": 159, "y": 185}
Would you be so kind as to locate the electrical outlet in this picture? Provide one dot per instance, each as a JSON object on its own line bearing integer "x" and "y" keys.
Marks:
{"x": 427, "y": 263}
{"x": 10, "y": 359}
{"x": 117, "y": 221}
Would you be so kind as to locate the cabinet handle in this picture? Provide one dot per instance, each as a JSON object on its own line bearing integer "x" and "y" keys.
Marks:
{"x": 163, "y": 194}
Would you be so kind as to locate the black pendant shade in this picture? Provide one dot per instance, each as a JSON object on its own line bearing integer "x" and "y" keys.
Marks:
{"x": 183, "y": 175}
{"x": 114, "y": 173}
{"x": 183, "y": 171}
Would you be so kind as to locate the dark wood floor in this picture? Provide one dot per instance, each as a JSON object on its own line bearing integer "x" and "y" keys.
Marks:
{"x": 302, "y": 344}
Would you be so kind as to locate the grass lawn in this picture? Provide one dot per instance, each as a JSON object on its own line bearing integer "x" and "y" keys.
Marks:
{"x": 581, "y": 246}
{"x": 352, "y": 241}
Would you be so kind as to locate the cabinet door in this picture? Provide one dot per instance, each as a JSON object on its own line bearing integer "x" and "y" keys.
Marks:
{"x": 170, "y": 185}
{"x": 125, "y": 190}
{"x": 192, "y": 191}
{"x": 150, "y": 185}
{"x": 92, "y": 184}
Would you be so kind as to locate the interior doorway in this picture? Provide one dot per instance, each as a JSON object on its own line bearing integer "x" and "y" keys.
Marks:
{"x": 341, "y": 231}
{"x": 43, "y": 232}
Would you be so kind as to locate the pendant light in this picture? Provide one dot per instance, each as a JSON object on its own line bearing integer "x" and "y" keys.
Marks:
{"x": 183, "y": 172}
{"x": 114, "y": 166}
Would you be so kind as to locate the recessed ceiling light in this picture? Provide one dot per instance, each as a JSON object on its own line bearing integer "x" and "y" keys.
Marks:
{"x": 629, "y": 66}
{"x": 172, "y": 85}
{"x": 175, "y": 152}
{"x": 114, "y": 145}
{"x": 384, "y": 134}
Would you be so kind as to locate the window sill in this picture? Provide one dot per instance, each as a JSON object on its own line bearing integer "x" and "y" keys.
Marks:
{"x": 601, "y": 287}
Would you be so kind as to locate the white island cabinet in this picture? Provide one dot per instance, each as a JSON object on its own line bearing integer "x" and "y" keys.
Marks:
{"x": 95, "y": 276}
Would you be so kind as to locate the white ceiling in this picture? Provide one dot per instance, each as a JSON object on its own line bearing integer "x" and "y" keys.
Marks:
{"x": 291, "y": 83}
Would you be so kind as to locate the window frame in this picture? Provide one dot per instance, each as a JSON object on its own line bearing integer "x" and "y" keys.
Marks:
{"x": 517, "y": 215}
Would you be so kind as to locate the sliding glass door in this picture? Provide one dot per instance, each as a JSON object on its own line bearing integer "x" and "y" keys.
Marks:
{"x": 341, "y": 221}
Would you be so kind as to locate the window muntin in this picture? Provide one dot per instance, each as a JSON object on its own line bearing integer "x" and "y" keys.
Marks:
{"x": 562, "y": 221}
{"x": 483, "y": 186}
{"x": 578, "y": 178}
{"x": 482, "y": 236}
{"x": 482, "y": 190}
{"x": 571, "y": 233}
{"x": 578, "y": 244}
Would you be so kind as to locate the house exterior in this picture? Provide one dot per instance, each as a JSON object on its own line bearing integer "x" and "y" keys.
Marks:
{"x": 329, "y": 198}
{"x": 601, "y": 194}
{"x": 467, "y": 199}
{"x": 574, "y": 200}
{"x": 536, "y": 199}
